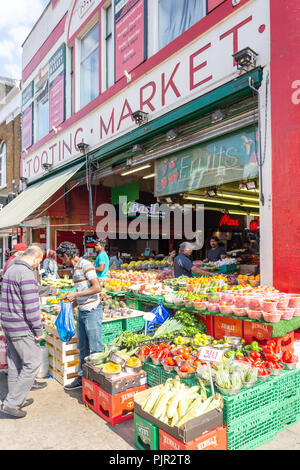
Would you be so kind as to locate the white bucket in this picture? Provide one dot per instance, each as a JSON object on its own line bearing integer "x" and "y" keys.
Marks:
{"x": 44, "y": 369}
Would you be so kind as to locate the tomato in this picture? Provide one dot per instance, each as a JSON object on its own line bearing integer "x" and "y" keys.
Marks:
{"x": 186, "y": 349}
{"x": 145, "y": 351}
{"x": 180, "y": 351}
{"x": 198, "y": 363}
{"x": 184, "y": 368}
{"x": 170, "y": 361}
{"x": 186, "y": 356}
{"x": 286, "y": 357}
{"x": 255, "y": 355}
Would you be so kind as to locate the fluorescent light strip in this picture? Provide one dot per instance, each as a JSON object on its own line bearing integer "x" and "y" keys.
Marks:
{"x": 243, "y": 213}
{"x": 241, "y": 197}
{"x": 212, "y": 200}
{"x": 149, "y": 176}
{"x": 129, "y": 172}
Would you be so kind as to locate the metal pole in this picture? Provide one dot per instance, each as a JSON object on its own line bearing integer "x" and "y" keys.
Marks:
{"x": 211, "y": 380}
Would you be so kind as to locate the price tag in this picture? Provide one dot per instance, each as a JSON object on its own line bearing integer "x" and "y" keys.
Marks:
{"x": 210, "y": 355}
{"x": 149, "y": 316}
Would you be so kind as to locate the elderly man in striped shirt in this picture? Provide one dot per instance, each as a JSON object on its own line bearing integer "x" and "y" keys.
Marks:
{"x": 21, "y": 321}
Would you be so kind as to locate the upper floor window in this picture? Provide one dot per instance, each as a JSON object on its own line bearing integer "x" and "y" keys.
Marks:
{"x": 109, "y": 47}
{"x": 2, "y": 165}
{"x": 176, "y": 16}
{"x": 42, "y": 110}
{"x": 89, "y": 66}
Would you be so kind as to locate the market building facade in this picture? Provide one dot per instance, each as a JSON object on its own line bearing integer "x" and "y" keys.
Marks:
{"x": 145, "y": 99}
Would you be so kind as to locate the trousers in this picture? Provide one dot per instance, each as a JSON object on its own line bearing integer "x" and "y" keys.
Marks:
{"x": 89, "y": 329}
{"x": 24, "y": 362}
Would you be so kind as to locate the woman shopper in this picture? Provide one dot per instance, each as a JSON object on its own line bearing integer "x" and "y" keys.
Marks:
{"x": 89, "y": 325}
{"x": 50, "y": 265}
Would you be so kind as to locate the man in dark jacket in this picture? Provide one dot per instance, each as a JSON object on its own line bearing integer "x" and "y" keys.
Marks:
{"x": 21, "y": 322}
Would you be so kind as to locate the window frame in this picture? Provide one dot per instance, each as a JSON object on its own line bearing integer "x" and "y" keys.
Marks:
{"x": 105, "y": 36}
{"x": 82, "y": 60}
{"x": 40, "y": 87}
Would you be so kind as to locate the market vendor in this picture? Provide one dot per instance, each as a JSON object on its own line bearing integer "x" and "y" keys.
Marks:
{"x": 102, "y": 260}
{"x": 183, "y": 266}
{"x": 216, "y": 252}
{"x": 170, "y": 259}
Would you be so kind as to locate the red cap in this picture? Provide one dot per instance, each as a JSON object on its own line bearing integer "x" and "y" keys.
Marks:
{"x": 20, "y": 247}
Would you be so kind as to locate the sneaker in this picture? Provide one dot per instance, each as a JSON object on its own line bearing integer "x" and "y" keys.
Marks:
{"x": 27, "y": 402}
{"x": 16, "y": 413}
{"x": 38, "y": 385}
{"x": 77, "y": 383}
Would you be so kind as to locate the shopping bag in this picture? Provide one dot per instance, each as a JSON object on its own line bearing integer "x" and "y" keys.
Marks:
{"x": 161, "y": 315}
{"x": 65, "y": 323}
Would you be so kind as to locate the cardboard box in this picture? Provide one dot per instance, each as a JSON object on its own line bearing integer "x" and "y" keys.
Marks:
{"x": 192, "y": 429}
{"x": 118, "y": 384}
{"x": 211, "y": 440}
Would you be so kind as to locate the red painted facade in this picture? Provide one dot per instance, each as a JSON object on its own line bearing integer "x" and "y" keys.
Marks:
{"x": 285, "y": 72}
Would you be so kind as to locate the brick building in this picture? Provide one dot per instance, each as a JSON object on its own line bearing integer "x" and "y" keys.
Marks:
{"x": 10, "y": 147}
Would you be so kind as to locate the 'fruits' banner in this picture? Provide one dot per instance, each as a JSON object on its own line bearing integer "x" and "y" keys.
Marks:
{"x": 232, "y": 157}
{"x": 57, "y": 66}
{"x": 130, "y": 32}
{"x": 27, "y": 116}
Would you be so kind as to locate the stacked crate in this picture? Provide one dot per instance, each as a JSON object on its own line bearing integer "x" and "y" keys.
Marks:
{"x": 63, "y": 357}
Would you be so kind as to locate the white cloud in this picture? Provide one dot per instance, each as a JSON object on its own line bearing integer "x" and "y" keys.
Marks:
{"x": 16, "y": 20}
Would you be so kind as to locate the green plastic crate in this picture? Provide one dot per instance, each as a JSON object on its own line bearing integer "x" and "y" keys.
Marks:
{"x": 135, "y": 304}
{"x": 289, "y": 413}
{"x": 112, "y": 327}
{"x": 255, "y": 431}
{"x": 108, "y": 339}
{"x": 289, "y": 384}
{"x": 134, "y": 324}
{"x": 146, "y": 434}
{"x": 153, "y": 374}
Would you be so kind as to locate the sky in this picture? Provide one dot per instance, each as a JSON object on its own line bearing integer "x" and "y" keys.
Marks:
{"x": 17, "y": 17}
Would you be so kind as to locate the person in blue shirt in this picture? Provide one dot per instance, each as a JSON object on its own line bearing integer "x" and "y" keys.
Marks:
{"x": 102, "y": 260}
{"x": 183, "y": 266}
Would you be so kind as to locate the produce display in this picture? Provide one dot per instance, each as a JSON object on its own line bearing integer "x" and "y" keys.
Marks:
{"x": 146, "y": 264}
{"x": 175, "y": 404}
{"x": 59, "y": 283}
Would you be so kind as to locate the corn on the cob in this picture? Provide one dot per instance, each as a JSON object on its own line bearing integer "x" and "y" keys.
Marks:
{"x": 152, "y": 399}
{"x": 174, "y": 404}
{"x": 160, "y": 406}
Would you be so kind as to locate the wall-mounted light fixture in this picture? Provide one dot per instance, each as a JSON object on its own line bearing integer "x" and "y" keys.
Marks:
{"x": 212, "y": 192}
{"x": 171, "y": 135}
{"x": 83, "y": 147}
{"x": 47, "y": 166}
{"x": 137, "y": 148}
{"x": 140, "y": 117}
{"x": 245, "y": 59}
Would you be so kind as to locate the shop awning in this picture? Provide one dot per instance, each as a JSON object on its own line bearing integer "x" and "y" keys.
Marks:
{"x": 33, "y": 197}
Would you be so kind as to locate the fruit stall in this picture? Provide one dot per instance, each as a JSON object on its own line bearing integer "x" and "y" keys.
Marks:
{"x": 159, "y": 378}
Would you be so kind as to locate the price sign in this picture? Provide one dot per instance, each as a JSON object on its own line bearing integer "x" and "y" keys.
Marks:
{"x": 210, "y": 355}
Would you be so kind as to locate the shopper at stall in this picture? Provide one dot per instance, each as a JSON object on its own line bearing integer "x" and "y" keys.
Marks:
{"x": 115, "y": 261}
{"x": 183, "y": 266}
{"x": 21, "y": 322}
{"x": 50, "y": 266}
{"x": 170, "y": 258}
{"x": 86, "y": 297}
{"x": 18, "y": 250}
{"x": 216, "y": 252}
{"x": 102, "y": 260}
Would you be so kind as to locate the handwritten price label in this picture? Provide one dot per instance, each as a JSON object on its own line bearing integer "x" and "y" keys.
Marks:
{"x": 210, "y": 355}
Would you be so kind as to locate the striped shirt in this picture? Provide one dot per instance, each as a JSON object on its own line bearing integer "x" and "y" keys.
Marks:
{"x": 84, "y": 272}
{"x": 20, "y": 306}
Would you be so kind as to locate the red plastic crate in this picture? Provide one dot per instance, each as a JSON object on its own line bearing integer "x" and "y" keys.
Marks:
{"x": 118, "y": 408}
{"x": 297, "y": 335}
{"x": 211, "y": 440}
{"x": 89, "y": 393}
{"x": 209, "y": 322}
{"x": 255, "y": 331}
{"x": 224, "y": 326}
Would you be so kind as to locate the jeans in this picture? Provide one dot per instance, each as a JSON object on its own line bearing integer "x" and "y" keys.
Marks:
{"x": 89, "y": 328}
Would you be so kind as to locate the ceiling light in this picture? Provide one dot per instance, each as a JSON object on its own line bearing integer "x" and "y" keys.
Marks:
{"x": 140, "y": 117}
{"x": 211, "y": 192}
{"x": 135, "y": 170}
{"x": 250, "y": 185}
{"x": 137, "y": 148}
{"x": 248, "y": 205}
{"x": 243, "y": 213}
{"x": 171, "y": 134}
{"x": 217, "y": 116}
{"x": 149, "y": 176}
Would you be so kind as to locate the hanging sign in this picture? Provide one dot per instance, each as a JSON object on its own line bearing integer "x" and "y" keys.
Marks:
{"x": 225, "y": 159}
{"x": 130, "y": 35}
{"x": 57, "y": 74}
{"x": 227, "y": 221}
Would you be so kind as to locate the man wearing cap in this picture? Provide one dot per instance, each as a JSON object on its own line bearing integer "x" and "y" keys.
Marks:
{"x": 183, "y": 266}
{"x": 18, "y": 250}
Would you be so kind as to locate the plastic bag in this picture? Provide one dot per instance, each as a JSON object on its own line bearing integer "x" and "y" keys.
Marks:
{"x": 65, "y": 323}
{"x": 161, "y": 315}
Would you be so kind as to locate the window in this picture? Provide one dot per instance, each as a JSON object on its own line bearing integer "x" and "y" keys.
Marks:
{"x": 89, "y": 66}
{"x": 109, "y": 47}
{"x": 176, "y": 16}
{"x": 72, "y": 80}
{"x": 2, "y": 165}
{"x": 42, "y": 109}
